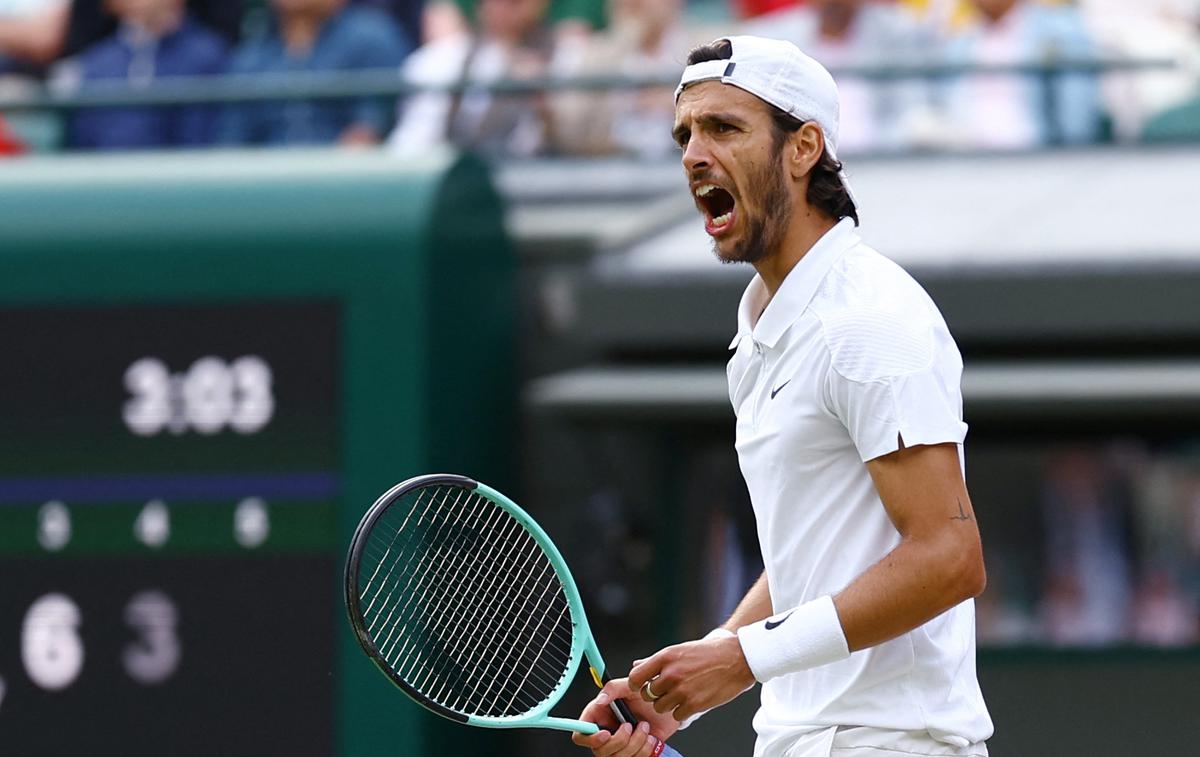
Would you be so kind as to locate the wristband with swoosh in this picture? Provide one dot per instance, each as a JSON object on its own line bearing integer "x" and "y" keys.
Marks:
{"x": 794, "y": 640}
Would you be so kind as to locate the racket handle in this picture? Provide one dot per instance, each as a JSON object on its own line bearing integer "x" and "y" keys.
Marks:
{"x": 623, "y": 713}
{"x": 621, "y": 710}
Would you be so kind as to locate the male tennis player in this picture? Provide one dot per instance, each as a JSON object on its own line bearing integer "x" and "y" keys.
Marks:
{"x": 845, "y": 383}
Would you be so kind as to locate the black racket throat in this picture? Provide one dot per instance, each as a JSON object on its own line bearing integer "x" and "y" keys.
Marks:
{"x": 620, "y": 709}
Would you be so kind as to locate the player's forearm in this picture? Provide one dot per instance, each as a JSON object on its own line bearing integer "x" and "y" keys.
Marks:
{"x": 919, "y": 579}
{"x": 755, "y": 605}
{"x": 911, "y": 585}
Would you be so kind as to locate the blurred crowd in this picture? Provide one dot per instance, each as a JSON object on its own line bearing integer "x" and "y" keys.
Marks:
{"x": 1105, "y": 552}
{"x": 914, "y": 74}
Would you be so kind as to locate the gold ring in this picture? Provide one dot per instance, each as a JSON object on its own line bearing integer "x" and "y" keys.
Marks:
{"x": 649, "y": 692}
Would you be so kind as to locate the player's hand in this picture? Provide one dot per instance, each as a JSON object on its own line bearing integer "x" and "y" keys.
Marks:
{"x": 693, "y": 677}
{"x": 617, "y": 740}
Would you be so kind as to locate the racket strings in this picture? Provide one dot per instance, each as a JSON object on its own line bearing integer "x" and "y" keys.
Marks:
{"x": 470, "y": 628}
{"x": 513, "y": 626}
{"x": 453, "y": 652}
{"x": 496, "y": 514}
{"x": 383, "y": 559}
{"x": 468, "y": 609}
{"x": 474, "y": 627}
{"x": 480, "y": 696}
{"x": 408, "y": 593}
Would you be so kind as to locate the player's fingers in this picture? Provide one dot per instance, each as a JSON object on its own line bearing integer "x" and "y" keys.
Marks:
{"x": 652, "y": 690}
{"x": 618, "y": 688}
{"x": 684, "y": 711}
{"x": 670, "y": 698}
{"x": 616, "y": 743}
{"x": 637, "y": 741}
{"x": 594, "y": 741}
{"x": 598, "y": 712}
{"x": 645, "y": 670}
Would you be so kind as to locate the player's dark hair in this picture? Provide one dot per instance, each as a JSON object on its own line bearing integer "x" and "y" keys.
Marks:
{"x": 718, "y": 49}
{"x": 826, "y": 190}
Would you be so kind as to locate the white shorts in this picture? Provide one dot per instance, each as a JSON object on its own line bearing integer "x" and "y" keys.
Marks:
{"x": 844, "y": 741}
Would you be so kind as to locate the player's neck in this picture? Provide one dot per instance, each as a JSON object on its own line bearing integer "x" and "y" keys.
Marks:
{"x": 805, "y": 229}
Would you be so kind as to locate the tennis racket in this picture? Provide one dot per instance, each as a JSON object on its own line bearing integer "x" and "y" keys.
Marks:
{"x": 464, "y": 603}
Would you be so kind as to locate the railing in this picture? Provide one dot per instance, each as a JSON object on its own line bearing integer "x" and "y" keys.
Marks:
{"x": 340, "y": 85}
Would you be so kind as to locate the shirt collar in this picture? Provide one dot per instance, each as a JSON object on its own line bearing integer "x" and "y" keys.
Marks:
{"x": 795, "y": 292}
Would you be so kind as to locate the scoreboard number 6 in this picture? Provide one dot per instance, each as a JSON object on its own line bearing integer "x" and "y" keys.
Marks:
{"x": 50, "y": 645}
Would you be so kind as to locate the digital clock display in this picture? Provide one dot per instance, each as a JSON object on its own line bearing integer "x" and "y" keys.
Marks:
{"x": 169, "y": 481}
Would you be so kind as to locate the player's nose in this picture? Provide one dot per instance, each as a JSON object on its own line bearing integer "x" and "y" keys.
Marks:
{"x": 696, "y": 155}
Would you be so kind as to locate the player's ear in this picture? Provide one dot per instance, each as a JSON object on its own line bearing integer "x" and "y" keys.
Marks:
{"x": 806, "y": 145}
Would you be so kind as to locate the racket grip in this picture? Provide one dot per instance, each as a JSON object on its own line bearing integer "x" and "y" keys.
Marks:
{"x": 621, "y": 710}
{"x": 625, "y": 715}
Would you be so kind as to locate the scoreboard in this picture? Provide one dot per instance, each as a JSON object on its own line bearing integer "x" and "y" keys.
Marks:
{"x": 213, "y": 363}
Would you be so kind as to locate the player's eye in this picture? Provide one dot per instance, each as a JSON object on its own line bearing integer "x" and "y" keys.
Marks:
{"x": 723, "y": 128}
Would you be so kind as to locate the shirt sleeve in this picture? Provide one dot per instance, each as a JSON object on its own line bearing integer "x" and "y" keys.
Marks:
{"x": 893, "y": 384}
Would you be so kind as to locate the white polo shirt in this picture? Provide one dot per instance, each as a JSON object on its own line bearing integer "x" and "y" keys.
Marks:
{"x": 847, "y": 359}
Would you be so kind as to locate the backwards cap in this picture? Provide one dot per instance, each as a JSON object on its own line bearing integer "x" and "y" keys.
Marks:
{"x": 777, "y": 72}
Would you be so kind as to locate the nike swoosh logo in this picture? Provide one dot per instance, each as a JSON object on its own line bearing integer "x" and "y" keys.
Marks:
{"x": 781, "y": 386}
{"x": 776, "y": 624}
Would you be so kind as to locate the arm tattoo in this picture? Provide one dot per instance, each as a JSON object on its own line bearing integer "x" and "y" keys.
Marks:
{"x": 962, "y": 514}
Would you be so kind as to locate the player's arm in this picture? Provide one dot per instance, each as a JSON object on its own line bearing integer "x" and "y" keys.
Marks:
{"x": 939, "y": 561}
{"x": 938, "y": 564}
{"x": 756, "y": 605}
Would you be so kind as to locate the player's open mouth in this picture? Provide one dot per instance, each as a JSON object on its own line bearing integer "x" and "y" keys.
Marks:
{"x": 717, "y": 204}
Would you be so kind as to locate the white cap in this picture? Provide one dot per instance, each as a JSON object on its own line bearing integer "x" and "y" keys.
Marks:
{"x": 779, "y": 73}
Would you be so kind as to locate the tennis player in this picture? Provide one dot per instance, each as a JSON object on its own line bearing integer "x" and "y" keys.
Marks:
{"x": 845, "y": 382}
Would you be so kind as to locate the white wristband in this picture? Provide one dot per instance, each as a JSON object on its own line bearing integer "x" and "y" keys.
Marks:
{"x": 716, "y": 633}
{"x": 797, "y": 639}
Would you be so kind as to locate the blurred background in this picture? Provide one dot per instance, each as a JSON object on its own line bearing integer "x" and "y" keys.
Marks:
{"x": 261, "y": 259}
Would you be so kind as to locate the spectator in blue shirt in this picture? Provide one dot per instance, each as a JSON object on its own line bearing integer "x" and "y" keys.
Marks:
{"x": 315, "y": 35}
{"x": 155, "y": 38}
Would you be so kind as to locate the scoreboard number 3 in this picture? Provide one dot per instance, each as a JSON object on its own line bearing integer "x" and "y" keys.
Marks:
{"x": 210, "y": 396}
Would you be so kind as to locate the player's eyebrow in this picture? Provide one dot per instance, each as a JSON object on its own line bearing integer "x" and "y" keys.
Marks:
{"x": 707, "y": 119}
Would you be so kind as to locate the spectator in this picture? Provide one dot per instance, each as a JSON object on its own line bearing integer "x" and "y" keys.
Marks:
{"x": 309, "y": 36}
{"x": 877, "y": 115}
{"x": 31, "y": 34}
{"x": 511, "y": 41}
{"x": 155, "y": 38}
{"x": 645, "y": 38}
{"x": 584, "y": 13}
{"x": 752, "y": 8}
{"x": 92, "y": 20}
{"x": 1014, "y": 111}
{"x": 407, "y": 14}
{"x": 1087, "y": 509}
{"x": 1155, "y": 29}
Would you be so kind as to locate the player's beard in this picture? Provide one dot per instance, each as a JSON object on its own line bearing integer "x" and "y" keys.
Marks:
{"x": 763, "y": 233}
